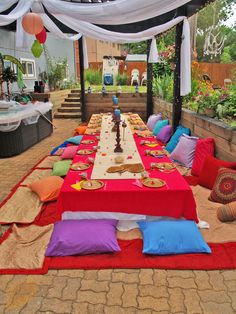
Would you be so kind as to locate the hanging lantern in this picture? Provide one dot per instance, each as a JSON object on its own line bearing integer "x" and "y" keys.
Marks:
{"x": 32, "y": 23}
{"x": 36, "y": 49}
{"x": 42, "y": 36}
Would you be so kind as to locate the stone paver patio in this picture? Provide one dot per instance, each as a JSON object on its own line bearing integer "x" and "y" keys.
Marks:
{"x": 107, "y": 291}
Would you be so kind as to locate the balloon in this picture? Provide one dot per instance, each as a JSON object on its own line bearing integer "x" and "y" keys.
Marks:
{"x": 42, "y": 36}
{"x": 36, "y": 49}
{"x": 32, "y": 23}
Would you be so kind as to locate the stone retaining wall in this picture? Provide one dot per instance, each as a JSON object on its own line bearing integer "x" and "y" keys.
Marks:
{"x": 202, "y": 126}
{"x": 128, "y": 102}
{"x": 56, "y": 97}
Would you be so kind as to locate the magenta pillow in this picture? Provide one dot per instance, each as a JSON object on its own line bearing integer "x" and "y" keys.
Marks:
{"x": 80, "y": 237}
{"x": 69, "y": 152}
{"x": 185, "y": 150}
{"x": 152, "y": 120}
{"x": 165, "y": 134}
{"x": 205, "y": 147}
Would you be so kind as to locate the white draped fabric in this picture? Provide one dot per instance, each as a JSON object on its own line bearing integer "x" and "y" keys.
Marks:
{"x": 81, "y": 18}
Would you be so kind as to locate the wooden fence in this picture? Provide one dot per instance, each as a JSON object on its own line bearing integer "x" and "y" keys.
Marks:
{"x": 218, "y": 71}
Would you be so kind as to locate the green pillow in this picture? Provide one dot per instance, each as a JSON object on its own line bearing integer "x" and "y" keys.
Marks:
{"x": 60, "y": 168}
{"x": 159, "y": 125}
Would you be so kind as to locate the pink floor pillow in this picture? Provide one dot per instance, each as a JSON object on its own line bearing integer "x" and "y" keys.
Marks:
{"x": 165, "y": 134}
{"x": 152, "y": 120}
{"x": 69, "y": 152}
{"x": 204, "y": 148}
{"x": 185, "y": 150}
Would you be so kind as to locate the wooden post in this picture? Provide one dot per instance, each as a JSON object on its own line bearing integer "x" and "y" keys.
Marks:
{"x": 177, "y": 101}
{"x": 149, "y": 82}
{"x": 81, "y": 66}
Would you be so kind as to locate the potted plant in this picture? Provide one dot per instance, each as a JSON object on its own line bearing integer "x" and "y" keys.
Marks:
{"x": 9, "y": 76}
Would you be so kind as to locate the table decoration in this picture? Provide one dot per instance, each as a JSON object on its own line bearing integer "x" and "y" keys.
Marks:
{"x": 153, "y": 183}
{"x": 124, "y": 126}
{"x": 92, "y": 185}
{"x": 119, "y": 160}
{"x": 118, "y": 148}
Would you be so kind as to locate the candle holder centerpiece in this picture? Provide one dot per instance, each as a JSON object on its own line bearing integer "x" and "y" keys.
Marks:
{"x": 118, "y": 148}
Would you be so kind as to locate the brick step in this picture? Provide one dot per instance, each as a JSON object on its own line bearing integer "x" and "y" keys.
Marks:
{"x": 67, "y": 115}
{"x": 69, "y": 104}
{"x": 74, "y": 95}
{"x": 70, "y": 99}
{"x": 75, "y": 91}
{"x": 69, "y": 109}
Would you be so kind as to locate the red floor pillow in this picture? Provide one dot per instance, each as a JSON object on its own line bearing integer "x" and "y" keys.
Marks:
{"x": 210, "y": 170}
{"x": 205, "y": 147}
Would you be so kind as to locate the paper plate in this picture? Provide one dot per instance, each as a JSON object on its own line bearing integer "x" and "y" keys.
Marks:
{"x": 92, "y": 185}
{"x": 153, "y": 183}
{"x": 85, "y": 152}
{"x": 157, "y": 152}
{"x": 79, "y": 166}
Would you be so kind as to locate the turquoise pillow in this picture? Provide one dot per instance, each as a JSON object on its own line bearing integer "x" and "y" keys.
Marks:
{"x": 159, "y": 125}
{"x": 75, "y": 139}
{"x": 175, "y": 138}
{"x": 166, "y": 237}
{"x": 60, "y": 168}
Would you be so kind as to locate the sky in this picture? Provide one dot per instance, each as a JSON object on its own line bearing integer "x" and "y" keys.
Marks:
{"x": 232, "y": 19}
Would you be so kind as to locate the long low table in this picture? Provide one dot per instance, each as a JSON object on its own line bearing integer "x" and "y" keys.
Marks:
{"x": 175, "y": 199}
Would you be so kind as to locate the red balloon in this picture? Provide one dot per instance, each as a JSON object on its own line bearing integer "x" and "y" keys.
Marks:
{"x": 42, "y": 36}
{"x": 32, "y": 23}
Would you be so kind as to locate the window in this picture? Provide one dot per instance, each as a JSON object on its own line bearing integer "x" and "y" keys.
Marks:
{"x": 29, "y": 68}
{"x": 9, "y": 64}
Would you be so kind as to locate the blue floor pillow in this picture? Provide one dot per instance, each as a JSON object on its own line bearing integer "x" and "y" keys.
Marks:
{"x": 175, "y": 138}
{"x": 159, "y": 125}
{"x": 166, "y": 237}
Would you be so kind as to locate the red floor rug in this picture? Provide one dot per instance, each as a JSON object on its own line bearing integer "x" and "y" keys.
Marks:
{"x": 223, "y": 254}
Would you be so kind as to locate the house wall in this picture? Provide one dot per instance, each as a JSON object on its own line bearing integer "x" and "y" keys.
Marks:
{"x": 57, "y": 48}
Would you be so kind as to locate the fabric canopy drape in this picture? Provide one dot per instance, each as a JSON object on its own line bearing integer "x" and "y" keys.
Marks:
{"x": 82, "y": 17}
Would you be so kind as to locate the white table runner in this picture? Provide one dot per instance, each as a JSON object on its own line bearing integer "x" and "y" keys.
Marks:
{"x": 105, "y": 156}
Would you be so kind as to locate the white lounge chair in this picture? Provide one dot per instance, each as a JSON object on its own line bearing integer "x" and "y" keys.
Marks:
{"x": 144, "y": 79}
{"x": 135, "y": 77}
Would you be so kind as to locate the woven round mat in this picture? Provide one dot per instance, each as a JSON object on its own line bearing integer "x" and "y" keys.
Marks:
{"x": 92, "y": 185}
{"x": 115, "y": 169}
{"x": 157, "y": 152}
{"x": 153, "y": 182}
{"x": 165, "y": 165}
{"x": 134, "y": 168}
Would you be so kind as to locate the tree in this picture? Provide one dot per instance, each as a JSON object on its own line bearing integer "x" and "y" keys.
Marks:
{"x": 213, "y": 14}
{"x": 9, "y": 76}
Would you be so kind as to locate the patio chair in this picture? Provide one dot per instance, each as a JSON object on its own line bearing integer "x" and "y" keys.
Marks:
{"x": 144, "y": 79}
{"x": 134, "y": 77}
{"x": 227, "y": 82}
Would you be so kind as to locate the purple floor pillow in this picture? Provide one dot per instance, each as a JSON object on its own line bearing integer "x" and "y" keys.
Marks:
{"x": 185, "y": 150}
{"x": 152, "y": 120}
{"x": 80, "y": 237}
{"x": 165, "y": 134}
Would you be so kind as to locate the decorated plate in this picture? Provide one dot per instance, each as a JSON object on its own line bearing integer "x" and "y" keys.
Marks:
{"x": 79, "y": 166}
{"x": 92, "y": 184}
{"x": 156, "y": 152}
{"x": 87, "y": 142}
{"x": 165, "y": 166}
{"x": 153, "y": 183}
{"x": 85, "y": 152}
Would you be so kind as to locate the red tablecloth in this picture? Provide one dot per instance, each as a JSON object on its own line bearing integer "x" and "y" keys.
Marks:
{"x": 174, "y": 200}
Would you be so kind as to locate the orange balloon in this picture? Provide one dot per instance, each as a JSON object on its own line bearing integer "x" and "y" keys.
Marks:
{"x": 32, "y": 23}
